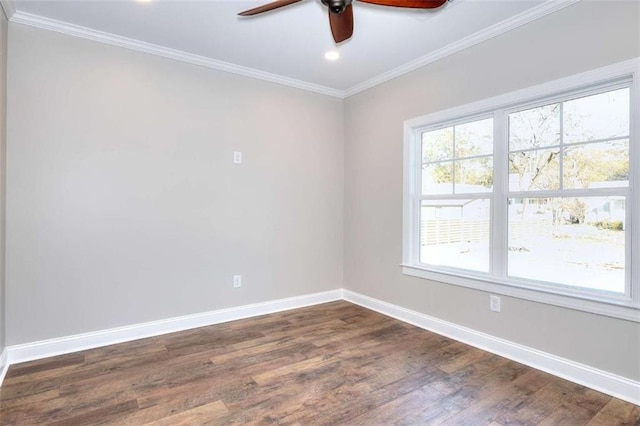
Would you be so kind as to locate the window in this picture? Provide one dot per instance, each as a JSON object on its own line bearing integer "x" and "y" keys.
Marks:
{"x": 531, "y": 194}
{"x": 457, "y": 180}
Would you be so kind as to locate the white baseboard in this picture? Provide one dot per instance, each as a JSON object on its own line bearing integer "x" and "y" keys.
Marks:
{"x": 602, "y": 381}
{"x": 611, "y": 384}
{"x": 4, "y": 364}
{"x": 79, "y": 342}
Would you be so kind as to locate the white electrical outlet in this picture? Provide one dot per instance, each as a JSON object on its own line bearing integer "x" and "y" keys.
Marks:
{"x": 237, "y": 157}
{"x": 237, "y": 281}
{"x": 494, "y": 303}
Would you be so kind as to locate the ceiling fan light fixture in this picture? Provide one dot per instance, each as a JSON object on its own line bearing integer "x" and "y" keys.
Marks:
{"x": 336, "y": 6}
{"x": 341, "y": 12}
{"x": 332, "y": 55}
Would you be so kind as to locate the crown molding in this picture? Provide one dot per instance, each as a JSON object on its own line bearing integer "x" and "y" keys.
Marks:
{"x": 524, "y": 18}
{"x": 495, "y": 30}
{"x": 154, "y": 49}
{"x": 8, "y": 7}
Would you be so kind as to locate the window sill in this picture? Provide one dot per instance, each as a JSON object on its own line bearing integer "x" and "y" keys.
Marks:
{"x": 625, "y": 310}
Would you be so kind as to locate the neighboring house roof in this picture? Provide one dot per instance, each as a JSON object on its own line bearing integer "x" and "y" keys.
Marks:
{"x": 446, "y": 203}
{"x": 615, "y": 184}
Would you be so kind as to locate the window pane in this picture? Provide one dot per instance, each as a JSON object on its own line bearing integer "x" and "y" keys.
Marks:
{"x": 474, "y": 175}
{"x": 534, "y": 170}
{"x": 455, "y": 233}
{"x": 437, "y": 145}
{"x": 437, "y": 178}
{"x": 534, "y": 128}
{"x": 596, "y": 165}
{"x": 578, "y": 242}
{"x": 601, "y": 116}
{"x": 474, "y": 138}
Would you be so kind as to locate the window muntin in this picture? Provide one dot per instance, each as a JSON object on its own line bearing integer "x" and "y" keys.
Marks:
{"x": 545, "y": 155}
{"x": 457, "y": 174}
{"x": 458, "y": 159}
{"x": 576, "y": 241}
{"x": 572, "y": 144}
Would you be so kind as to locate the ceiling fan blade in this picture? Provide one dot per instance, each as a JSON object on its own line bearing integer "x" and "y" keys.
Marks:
{"x": 341, "y": 24}
{"x": 267, "y": 7}
{"x": 417, "y": 4}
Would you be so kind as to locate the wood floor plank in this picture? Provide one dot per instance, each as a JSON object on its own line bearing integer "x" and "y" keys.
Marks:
{"x": 536, "y": 408}
{"x": 48, "y": 364}
{"x": 345, "y": 412}
{"x": 501, "y": 399}
{"x": 477, "y": 375}
{"x": 30, "y": 399}
{"x": 617, "y": 412}
{"x": 567, "y": 415}
{"x": 330, "y": 364}
{"x": 413, "y": 401}
{"x": 202, "y": 415}
{"x": 299, "y": 332}
{"x": 110, "y": 414}
{"x": 461, "y": 360}
{"x": 97, "y": 371}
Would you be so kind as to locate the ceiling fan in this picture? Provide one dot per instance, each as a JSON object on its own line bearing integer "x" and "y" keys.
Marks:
{"x": 341, "y": 12}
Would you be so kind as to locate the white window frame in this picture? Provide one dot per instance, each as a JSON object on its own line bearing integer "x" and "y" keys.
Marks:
{"x": 625, "y": 306}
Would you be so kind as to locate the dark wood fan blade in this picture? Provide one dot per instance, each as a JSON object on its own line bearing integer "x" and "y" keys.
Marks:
{"x": 341, "y": 24}
{"x": 267, "y": 7}
{"x": 417, "y": 4}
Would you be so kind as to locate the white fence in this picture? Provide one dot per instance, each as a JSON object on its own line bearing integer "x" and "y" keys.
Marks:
{"x": 444, "y": 231}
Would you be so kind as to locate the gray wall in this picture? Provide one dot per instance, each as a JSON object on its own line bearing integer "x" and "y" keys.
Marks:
{"x": 581, "y": 37}
{"x": 3, "y": 145}
{"x": 123, "y": 204}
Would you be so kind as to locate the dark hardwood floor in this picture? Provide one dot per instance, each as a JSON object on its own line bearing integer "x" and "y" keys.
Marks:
{"x": 331, "y": 364}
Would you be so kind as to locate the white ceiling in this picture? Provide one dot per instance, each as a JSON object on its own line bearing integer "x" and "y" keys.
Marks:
{"x": 288, "y": 45}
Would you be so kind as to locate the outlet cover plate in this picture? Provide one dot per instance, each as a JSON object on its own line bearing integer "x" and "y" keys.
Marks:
{"x": 494, "y": 303}
{"x": 237, "y": 281}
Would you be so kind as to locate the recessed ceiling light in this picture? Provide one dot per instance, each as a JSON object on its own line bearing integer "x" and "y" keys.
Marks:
{"x": 332, "y": 55}
{"x": 144, "y": 1}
